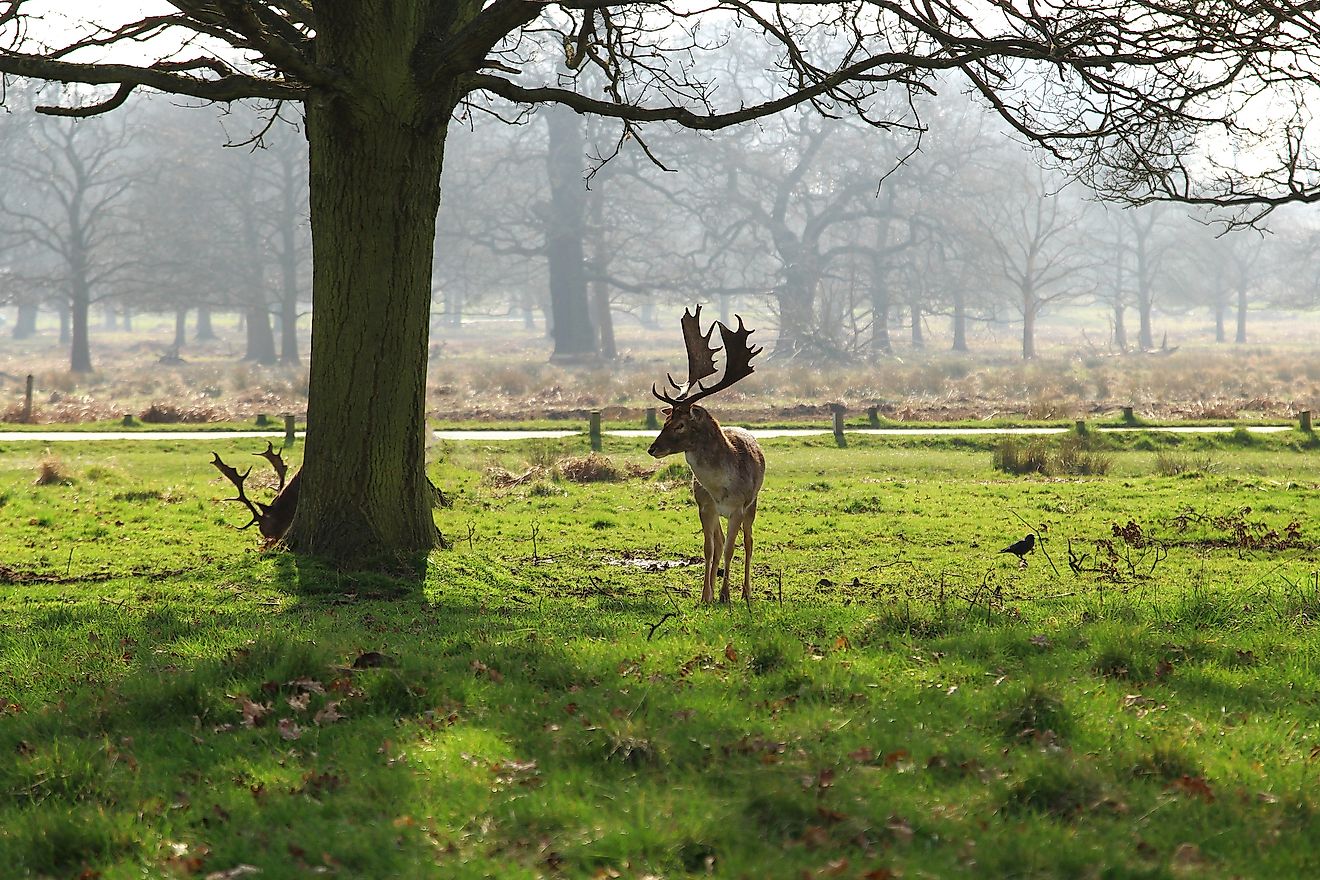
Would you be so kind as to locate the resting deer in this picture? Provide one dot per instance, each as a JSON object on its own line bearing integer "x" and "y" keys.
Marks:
{"x": 727, "y": 465}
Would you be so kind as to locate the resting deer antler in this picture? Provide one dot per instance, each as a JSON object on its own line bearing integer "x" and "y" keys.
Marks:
{"x": 273, "y": 519}
{"x": 701, "y": 358}
{"x": 728, "y": 467}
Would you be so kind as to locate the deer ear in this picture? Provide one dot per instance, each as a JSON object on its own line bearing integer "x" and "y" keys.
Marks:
{"x": 664, "y": 411}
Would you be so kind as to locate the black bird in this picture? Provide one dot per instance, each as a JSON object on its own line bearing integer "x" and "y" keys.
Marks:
{"x": 1020, "y": 549}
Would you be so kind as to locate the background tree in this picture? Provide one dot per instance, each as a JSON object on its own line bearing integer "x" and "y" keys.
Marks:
{"x": 75, "y": 176}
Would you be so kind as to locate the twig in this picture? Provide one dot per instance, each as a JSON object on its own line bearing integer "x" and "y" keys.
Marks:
{"x": 69, "y": 567}
{"x": 659, "y": 623}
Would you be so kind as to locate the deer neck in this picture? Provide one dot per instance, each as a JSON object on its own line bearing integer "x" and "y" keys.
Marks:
{"x": 710, "y": 449}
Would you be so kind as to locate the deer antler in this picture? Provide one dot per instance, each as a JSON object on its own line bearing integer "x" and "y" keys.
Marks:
{"x": 276, "y": 461}
{"x": 701, "y": 359}
{"x": 232, "y": 475}
{"x": 273, "y": 519}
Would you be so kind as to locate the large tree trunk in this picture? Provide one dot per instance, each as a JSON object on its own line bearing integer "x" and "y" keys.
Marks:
{"x": 574, "y": 335}
{"x": 959, "y": 320}
{"x": 918, "y": 338}
{"x": 205, "y": 332}
{"x": 25, "y": 325}
{"x": 1120, "y": 326}
{"x": 260, "y": 337}
{"x": 80, "y": 304}
{"x": 880, "y": 341}
{"x": 1241, "y": 315}
{"x": 375, "y": 156}
{"x": 1220, "y": 308}
{"x": 600, "y": 287}
{"x": 180, "y": 329}
{"x": 1029, "y": 308}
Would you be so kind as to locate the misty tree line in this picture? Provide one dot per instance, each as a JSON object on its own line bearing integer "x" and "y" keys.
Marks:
{"x": 847, "y": 233}
{"x": 849, "y": 236}
{"x": 144, "y": 211}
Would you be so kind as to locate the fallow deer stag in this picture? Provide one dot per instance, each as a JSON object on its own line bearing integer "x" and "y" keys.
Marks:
{"x": 727, "y": 465}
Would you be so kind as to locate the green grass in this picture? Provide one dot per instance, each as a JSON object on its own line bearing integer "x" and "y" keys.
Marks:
{"x": 900, "y": 699}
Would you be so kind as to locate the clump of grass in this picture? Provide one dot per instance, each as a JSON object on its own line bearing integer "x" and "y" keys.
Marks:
{"x": 593, "y": 468}
{"x": 1165, "y": 763}
{"x": 674, "y": 472}
{"x": 1169, "y": 463}
{"x": 50, "y": 471}
{"x": 1075, "y": 458}
{"x": 1058, "y": 787}
{"x": 1015, "y": 457}
{"x": 1035, "y": 712}
{"x": 1071, "y": 456}
{"x": 503, "y": 479}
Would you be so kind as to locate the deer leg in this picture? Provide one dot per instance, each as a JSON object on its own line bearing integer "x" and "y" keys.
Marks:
{"x": 735, "y": 525}
{"x": 714, "y": 542}
{"x": 747, "y": 552}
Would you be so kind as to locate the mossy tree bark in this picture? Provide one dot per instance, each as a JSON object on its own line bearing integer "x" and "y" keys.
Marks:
{"x": 376, "y": 151}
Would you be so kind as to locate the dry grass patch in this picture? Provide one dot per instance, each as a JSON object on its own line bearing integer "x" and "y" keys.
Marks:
{"x": 50, "y": 471}
{"x": 500, "y": 478}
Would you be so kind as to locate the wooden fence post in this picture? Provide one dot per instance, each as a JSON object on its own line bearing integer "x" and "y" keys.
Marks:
{"x": 652, "y": 423}
{"x": 873, "y": 416}
{"x": 838, "y": 410}
{"x": 262, "y": 421}
{"x": 1129, "y": 417}
{"x": 594, "y": 430}
{"x": 27, "y": 402}
{"x": 290, "y": 437}
{"x": 1304, "y": 418}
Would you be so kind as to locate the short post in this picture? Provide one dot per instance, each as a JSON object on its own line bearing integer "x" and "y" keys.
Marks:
{"x": 1304, "y": 418}
{"x": 1129, "y": 417}
{"x": 838, "y": 410}
{"x": 27, "y": 402}
{"x": 129, "y": 421}
{"x": 652, "y": 423}
{"x": 262, "y": 421}
{"x": 1080, "y": 427}
{"x": 290, "y": 437}
{"x": 873, "y": 416}
{"x": 593, "y": 430}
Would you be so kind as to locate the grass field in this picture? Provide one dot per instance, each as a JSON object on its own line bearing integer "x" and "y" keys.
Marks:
{"x": 899, "y": 700}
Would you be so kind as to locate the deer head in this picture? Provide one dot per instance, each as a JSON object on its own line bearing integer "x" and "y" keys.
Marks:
{"x": 683, "y": 419}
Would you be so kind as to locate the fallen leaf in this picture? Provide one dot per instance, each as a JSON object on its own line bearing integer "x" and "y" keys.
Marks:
{"x": 289, "y": 729}
{"x": 298, "y": 703}
{"x": 1041, "y": 641}
{"x": 842, "y": 643}
{"x": 327, "y": 714}
{"x": 254, "y": 714}
{"x": 730, "y": 653}
{"x": 1193, "y": 786}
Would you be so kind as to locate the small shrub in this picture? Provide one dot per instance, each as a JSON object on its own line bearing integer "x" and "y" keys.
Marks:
{"x": 169, "y": 414}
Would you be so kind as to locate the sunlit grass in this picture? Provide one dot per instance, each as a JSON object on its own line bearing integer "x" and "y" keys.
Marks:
{"x": 899, "y": 700}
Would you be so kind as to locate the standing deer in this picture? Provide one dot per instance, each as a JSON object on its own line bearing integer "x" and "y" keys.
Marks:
{"x": 727, "y": 465}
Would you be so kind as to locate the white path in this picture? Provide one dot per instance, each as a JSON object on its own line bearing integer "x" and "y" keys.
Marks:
{"x": 490, "y": 436}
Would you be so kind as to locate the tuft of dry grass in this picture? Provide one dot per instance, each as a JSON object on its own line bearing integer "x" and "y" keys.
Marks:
{"x": 50, "y": 471}
{"x": 593, "y": 468}
{"x": 504, "y": 479}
